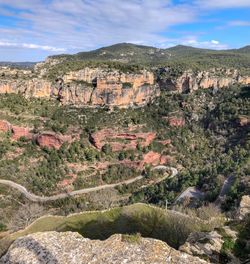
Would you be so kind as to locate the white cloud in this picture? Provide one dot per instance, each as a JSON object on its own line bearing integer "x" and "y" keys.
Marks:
{"x": 223, "y": 3}
{"x": 210, "y": 44}
{"x": 30, "y": 46}
{"x": 77, "y": 25}
{"x": 239, "y": 23}
{"x": 89, "y": 24}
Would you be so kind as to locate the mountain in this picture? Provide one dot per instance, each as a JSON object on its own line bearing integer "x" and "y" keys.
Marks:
{"x": 245, "y": 49}
{"x": 26, "y": 64}
{"x": 181, "y": 55}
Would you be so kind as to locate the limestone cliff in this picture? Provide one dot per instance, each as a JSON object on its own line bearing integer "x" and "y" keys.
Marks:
{"x": 190, "y": 81}
{"x": 68, "y": 247}
{"x": 102, "y": 86}
{"x": 89, "y": 87}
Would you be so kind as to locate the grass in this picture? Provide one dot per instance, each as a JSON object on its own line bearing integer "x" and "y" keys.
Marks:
{"x": 137, "y": 218}
{"x": 134, "y": 238}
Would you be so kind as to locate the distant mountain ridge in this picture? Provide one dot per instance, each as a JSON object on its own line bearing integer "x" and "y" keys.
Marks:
{"x": 146, "y": 55}
{"x": 122, "y": 48}
{"x": 25, "y": 64}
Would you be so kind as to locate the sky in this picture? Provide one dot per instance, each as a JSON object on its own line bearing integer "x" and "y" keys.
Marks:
{"x": 31, "y": 30}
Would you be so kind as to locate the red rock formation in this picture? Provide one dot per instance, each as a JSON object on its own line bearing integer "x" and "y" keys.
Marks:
{"x": 19, "y": 132}
{"x": 66, "y": 182}
{"x": 152, "y": 158}
{"x": 176, "y": 121}
{"x": 51, "y": 140}
{"x": 109, "y": 136}
{"x": 165, "y": 142}
{"x": 5, "y": 126}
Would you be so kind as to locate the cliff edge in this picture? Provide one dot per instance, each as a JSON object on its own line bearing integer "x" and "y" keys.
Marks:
{"x": 69, "y": 247}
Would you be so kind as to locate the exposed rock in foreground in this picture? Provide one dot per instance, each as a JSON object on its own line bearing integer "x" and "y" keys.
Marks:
{"x": 244, "y": 207}
{"x": 204, "y": 244}
{"x": 68, "y": 247}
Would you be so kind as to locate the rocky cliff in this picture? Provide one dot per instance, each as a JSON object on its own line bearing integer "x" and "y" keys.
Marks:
{"x": 68, "y": 247}
{"x": 89, "y": 86}
{"x": 102, "y": 86}
{"x": 190, "y": 81}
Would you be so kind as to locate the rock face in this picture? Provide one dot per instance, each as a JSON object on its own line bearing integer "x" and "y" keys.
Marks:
{"x": 44, "y": 139}
{"x": 102, "y": 86}
{"x": 68, "y": 247}
{"x": 190, "y": 81}
{"x": 121, "y": 141}
{"x": 204, "y": 244}
{"x": 244, "y": 207}
{"x": 51, "y": 140}
{"x": 88, "y": 86}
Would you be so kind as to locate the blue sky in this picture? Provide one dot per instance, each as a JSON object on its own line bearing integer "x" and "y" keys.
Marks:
{"x": 31, "y": 30}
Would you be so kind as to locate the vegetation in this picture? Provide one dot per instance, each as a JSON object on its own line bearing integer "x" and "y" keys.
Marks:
{"x": 126, "y": 57}
{"x": 138, "y": 218}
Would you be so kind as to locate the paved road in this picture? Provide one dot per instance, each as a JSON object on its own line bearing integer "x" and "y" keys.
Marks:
{"x": 224, "y": 190}
{"x": 162, "y": 167}
{"x": 36, "y": 198}
{"x": 193, "y": 192}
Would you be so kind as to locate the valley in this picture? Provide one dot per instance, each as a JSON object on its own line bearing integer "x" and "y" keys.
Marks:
{"x": 92, "y": 134}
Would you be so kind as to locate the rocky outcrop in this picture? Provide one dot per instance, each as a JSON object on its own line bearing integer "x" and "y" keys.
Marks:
{"x": 89, "y": 86}
{"x": 19, "y": 132}
{"x": 244, "y": 207}
{"x": 244, "y": 120}
{"x": 68, "y": 247}
{"x": 102, "y": 86}
{"x": 176, "y": 121}
{"x": 5, "y": 126}
{"x": 190, "y": 81}
{"x": 51, "y": 140}
{"x": 155, "y": 158}
{"x": 204, "y": 245}
{"x": 121, "y": 141}
{"x": 44, "y": 139}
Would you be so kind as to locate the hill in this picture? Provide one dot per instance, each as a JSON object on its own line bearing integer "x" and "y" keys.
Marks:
{"x": 21, "y": 65}
{"x": 182, "y": 56}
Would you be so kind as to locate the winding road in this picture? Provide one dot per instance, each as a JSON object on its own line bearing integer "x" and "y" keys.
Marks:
{"x": 36, "y": 198}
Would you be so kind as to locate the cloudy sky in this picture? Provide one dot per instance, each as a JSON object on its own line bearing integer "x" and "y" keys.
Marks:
{"x": 30, "y": 30}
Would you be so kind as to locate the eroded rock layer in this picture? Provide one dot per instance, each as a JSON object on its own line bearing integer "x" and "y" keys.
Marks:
{"x": 88, "y": 86}
{"x": 102, "y": 86}
{"x": 190, "y": 81}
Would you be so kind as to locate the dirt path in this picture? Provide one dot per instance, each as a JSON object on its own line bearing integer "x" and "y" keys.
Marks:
{"x": 36, "y": 198}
